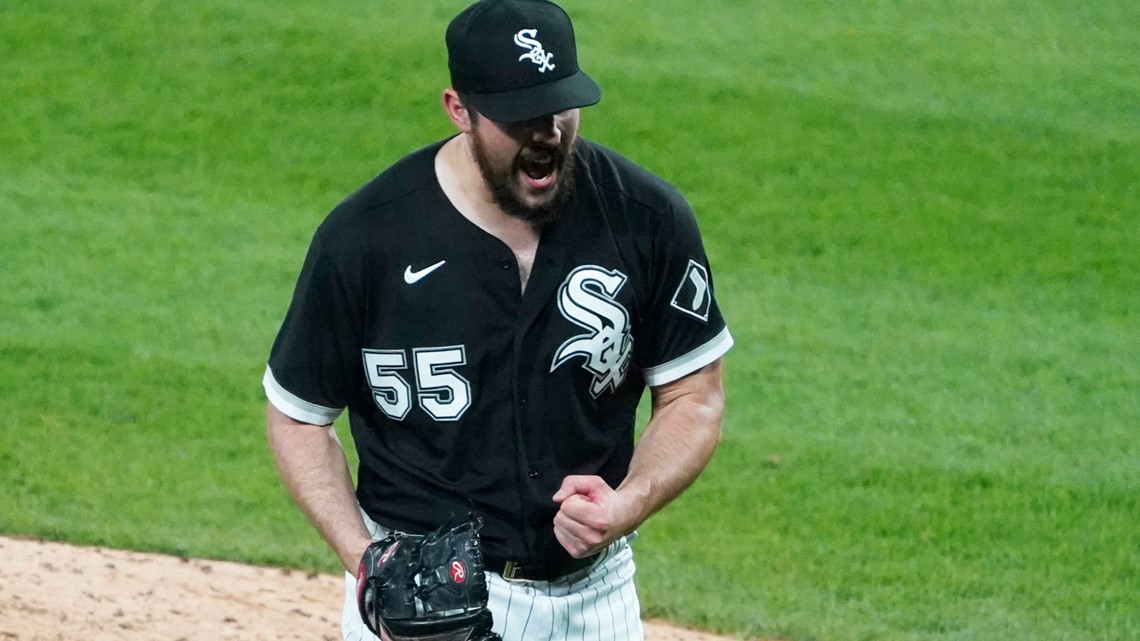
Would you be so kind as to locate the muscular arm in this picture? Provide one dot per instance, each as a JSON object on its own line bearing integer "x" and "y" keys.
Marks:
{"x": 675, "y": 447}
{"x": 311, "y": 462}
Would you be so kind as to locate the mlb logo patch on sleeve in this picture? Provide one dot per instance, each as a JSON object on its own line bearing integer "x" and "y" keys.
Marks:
{"x": 693, "y": 295}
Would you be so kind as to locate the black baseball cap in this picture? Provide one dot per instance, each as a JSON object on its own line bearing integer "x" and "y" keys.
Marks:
{"x": 516, "y": 60}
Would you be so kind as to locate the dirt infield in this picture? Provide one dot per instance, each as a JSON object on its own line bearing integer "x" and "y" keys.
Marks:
{"x": 58, "y": 592}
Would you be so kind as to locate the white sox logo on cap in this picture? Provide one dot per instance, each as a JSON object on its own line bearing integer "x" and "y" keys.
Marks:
{"x": 525, "y": 38}
{"x": 495, "y": 48}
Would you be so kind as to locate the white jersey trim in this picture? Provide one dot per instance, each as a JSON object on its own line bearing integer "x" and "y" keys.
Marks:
{"x": 688, "y": 363}
{"x": 295, "y": 407}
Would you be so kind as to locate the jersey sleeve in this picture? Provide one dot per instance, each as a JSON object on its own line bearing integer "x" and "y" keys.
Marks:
{"x": 684, "y": 328}
{"x": 309, "y": 376}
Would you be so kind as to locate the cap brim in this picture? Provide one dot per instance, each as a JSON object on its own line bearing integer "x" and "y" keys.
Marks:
{"x": 578, "y": 90}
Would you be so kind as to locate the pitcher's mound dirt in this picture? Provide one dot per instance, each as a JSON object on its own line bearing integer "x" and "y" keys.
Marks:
{"x": 59, "y": 592}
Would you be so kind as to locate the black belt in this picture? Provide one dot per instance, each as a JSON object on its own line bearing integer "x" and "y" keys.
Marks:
{"x": 516, "y": 571}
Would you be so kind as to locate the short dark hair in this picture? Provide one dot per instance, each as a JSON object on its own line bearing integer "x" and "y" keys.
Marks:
{"x": 470, "y": 107}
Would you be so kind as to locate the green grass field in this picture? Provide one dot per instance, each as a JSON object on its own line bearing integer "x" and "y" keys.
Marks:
{"x": 924, "y": 222}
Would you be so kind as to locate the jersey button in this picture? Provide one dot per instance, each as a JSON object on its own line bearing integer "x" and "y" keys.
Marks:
{"x": 505, "y": 264}
{"x": 532, "y": 473}
{"x": 522, "y": 400}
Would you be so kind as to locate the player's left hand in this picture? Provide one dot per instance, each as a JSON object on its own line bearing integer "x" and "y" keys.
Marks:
{"x": 591, "y": 515}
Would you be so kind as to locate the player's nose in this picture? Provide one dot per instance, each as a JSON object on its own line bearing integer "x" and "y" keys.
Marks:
{"x": 546, "y": 130}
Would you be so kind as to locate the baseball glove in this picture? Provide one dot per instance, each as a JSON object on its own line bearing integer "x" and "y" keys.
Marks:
{"x": 426, "y": 587}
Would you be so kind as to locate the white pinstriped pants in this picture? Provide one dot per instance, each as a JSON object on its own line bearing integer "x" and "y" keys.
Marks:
{"x": 598, "y": 603}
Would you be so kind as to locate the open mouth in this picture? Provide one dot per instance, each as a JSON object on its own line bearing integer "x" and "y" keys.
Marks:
{"x": 538, "y": 170}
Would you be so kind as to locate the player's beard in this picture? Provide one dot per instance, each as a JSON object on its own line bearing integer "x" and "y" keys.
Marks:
{"x": 505, "y": 185}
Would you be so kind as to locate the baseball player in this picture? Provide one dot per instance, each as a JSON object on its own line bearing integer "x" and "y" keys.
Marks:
{"x": 490, "y": 310}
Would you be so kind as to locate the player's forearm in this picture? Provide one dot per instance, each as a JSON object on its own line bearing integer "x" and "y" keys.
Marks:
{"x": 311, "y": 462}
{"x": 677, "y": 444}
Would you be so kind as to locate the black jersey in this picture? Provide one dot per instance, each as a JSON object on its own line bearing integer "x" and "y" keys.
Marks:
{"x": 465, "y": 392}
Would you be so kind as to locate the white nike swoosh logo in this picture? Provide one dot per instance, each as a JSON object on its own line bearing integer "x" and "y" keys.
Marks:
{"x": 414, "y": 276}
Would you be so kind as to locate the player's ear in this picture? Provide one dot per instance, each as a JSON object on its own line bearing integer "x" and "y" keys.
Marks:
{"x": 457, "y": 111}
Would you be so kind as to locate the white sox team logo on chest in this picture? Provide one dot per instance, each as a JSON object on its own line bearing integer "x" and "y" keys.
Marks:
{"x": 587, "y": 299}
